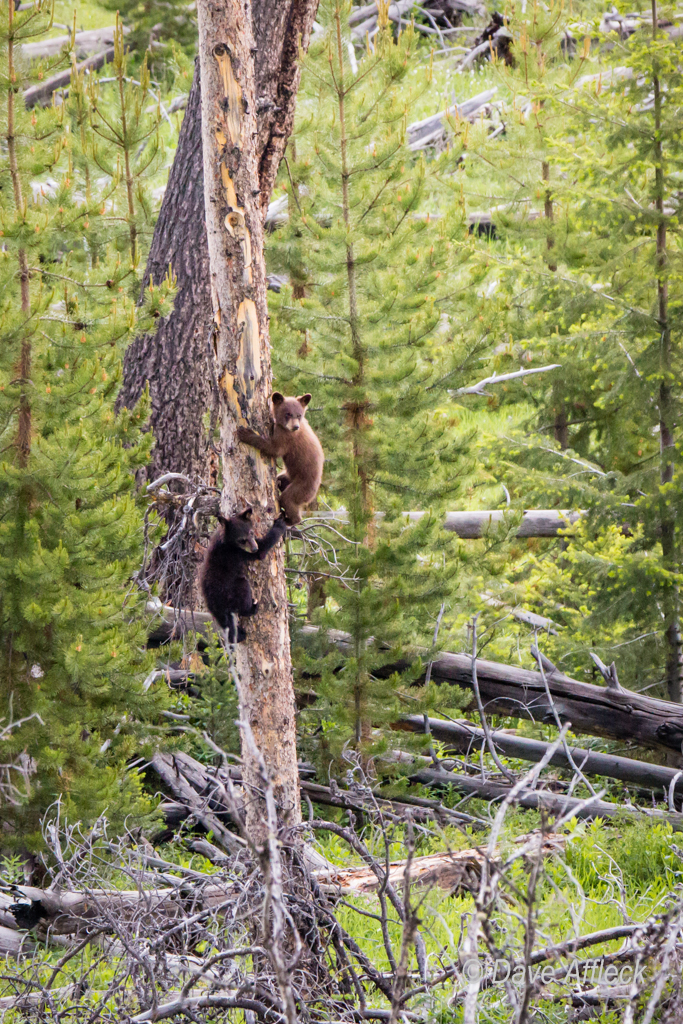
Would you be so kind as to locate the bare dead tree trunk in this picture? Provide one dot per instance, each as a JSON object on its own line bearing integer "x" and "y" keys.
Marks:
{"x": 234, "y": 204}
{"x": 176, "y": 360}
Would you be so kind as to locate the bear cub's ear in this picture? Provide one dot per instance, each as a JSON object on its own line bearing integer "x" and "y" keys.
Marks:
{"x": 222, "y": 520}
{"x": 276, "y": 398}
{"x": 304, "y": 400}
{"x": 247, "y": 514}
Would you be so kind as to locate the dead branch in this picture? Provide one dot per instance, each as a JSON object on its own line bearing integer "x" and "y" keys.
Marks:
{"x": 42, "y": 92}
{"x": 83, "y": 44}
{"x": 509, "y": 690}
{"x": 478, "y": 388}
{"x": 556, "y": 804}
{"x": 466, "y": 738}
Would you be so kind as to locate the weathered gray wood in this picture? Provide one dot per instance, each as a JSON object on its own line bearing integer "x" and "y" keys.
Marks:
{"x": 620, "y": 715}
{"x": 196, "y": 791}
{"x": 471, "y": 525}
{"x": 84, "y": 43}
{"x": 427, "y": 131}
{"x": 553, "y": 803}
{"x": 596, "y": 710}
{"x": 14, "y": 943}
{"x": 42, "y": 92}
{"x": 535, "y": 522}
{"x": 466, "y": 737}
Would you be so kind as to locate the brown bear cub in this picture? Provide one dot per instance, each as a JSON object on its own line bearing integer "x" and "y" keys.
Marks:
{"x": 294, "y": 442}
{"x": 223, "y": 578}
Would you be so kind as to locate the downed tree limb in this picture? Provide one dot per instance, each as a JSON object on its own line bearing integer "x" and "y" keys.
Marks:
{"x": 42, "y": 92}
{"x": 200, "y": 793}
{"x": 430, "y": 129}
{"x": 467, "y": 738}
{"x": 539, "y": 622}
{"x": 451, "y": 870}
{"x": 500, "y": 378}
{"x": 596, "y": 710}
{"x": 83, "y": 44}
{"x": 556, "y": 804}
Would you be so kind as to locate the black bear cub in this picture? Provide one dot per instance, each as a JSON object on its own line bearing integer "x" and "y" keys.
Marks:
{"x": 223, "y": 578}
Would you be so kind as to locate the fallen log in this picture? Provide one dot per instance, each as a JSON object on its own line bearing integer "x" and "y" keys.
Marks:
{"x": 366, "y": 18}
{"x": 428, "y": 131}
{"x": 556, "y": 804}
{"x": 466, "y": 738}
{"x": 203, "y": 795}
{"x": 41, "y": 998}
{"x": 535, "y": 522}
{"x": 596, "y": 710}
{"x": 472, "y": 525}
{"x": 616, "y": 714}
{"x": 66, "y": 912}
{"x": 170, "y": 623}
{"x": 42, "y": 92}
{"x": 453, "y": 871}
{"x": 83, "y": 44}
{"x": 14, "y": 943}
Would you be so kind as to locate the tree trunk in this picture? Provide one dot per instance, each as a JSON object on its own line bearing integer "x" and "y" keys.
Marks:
{"x": 234, "y": 211}
{"x": 175, "y": 360}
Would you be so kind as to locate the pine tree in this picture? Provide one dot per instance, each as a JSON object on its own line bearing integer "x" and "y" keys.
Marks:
{"x": 373, "y": 249}
{"x": 72, "y": 627}
{"x": 601, "y": 301}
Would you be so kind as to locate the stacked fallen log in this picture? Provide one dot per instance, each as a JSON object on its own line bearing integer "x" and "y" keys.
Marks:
{"x": 464, "y": 737}
{"x": 83, "y": 44}
{"x": 436, "y": 18}
{"x": 434, "y": 128}
{"x": 596, "y": 710}
{"x": 615, "y": 714}
{"x": 612, "y": 713}
{"x": 204, "y": 794}
{"x": 558, "y": 805}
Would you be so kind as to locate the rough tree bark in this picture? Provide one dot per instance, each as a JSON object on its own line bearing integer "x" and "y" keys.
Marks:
{"x": 175, "y": 360}
{"x": 236, "y": 196}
